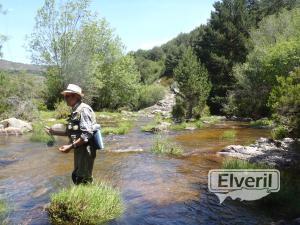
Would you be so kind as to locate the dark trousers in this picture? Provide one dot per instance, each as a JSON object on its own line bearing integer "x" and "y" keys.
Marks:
{"x": 81, "y": 180}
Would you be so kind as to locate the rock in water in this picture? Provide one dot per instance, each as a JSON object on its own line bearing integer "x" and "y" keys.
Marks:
{"x": 278, "y": 153}
{"x": 14, "y": 126}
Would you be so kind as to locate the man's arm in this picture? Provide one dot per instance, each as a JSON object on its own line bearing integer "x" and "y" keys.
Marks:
{"x": 50, "y": 131}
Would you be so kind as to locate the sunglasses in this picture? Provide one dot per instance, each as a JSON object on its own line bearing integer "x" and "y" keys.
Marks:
{"x": 68, "y": 96}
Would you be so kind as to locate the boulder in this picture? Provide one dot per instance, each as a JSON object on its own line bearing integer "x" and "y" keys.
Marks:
{"x": 16, "y": 124}
{"x": 278, "y": 153}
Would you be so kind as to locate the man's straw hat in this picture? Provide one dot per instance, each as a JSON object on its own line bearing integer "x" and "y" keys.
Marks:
{"x": 73, "y": 88}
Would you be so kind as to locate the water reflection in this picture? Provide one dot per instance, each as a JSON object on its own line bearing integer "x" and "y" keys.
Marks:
{"x": 156, "y": 189}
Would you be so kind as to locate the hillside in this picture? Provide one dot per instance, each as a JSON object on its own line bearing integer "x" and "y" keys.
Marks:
{"x": 18, "y": 67}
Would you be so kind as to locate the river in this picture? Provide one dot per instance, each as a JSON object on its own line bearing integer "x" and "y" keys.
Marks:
{"x": 156, "y": 189}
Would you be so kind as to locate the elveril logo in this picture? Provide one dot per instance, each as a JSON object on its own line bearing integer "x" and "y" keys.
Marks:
{"x": 243, "y": 184}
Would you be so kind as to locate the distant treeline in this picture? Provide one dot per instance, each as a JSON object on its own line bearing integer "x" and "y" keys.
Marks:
{"x": 250, "y": 49}
{"x": 243, "y": 62}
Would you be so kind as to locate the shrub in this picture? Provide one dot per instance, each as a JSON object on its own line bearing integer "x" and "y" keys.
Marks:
{"x": 150, "y": 95}
{"x": 61, "y": 110}
{"x": 163, "y": 146}
{"x": 85, "y": 204}
{"x": 285, "y": 103}
{"x": 279, "y": 132}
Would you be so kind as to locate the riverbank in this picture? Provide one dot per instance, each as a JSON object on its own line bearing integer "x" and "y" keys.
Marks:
{"x": 282, "y": 154}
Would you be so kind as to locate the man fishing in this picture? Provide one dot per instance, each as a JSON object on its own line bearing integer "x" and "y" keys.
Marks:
{"x": 80, "y": 132}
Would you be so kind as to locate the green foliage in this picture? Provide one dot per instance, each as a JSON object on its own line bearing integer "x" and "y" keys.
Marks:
{"x": 150, "y": 95}
{"x": 120, "y": 86}
{"x": 192, "y": 79}
{"x": 285, "y": 103}
{"x": 257, "y": 77}
{"x": 85, "y": 204}
{"x": 40, "y": 135}
{"x": 223, "y": 44}
{"x": 178, "y": 126}
{"x": 163, "y": 146}
{"x": 62, "y": 111}
{"x": 262, "y": 123}
{"x": 150, "y": 70}
{"x": 231, "y": 163}
{"x": 121, "y": 128}
{"x": 229, "y": 134}
{"x": 55, "y": 84}
{"x": 279, "y": 132}
{"x": 20, "y": 95}
{"x": 76, "y": 45}
{"x": 3, "y": 210}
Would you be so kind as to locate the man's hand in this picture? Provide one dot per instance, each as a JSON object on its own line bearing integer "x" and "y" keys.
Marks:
{"x": 65, "y": 148}
{"x": 49, "y": 130}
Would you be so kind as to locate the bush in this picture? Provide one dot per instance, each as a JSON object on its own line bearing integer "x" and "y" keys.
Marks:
{"x": 149, "y": 95}
{"x": 163, "y": 146}
{"x": 279, "y": 132}
{"x": 20, "y": 96}
{"x": 85, "y": 204}
{"x": 62, "y": 111}
{"x": 285, "y": 103}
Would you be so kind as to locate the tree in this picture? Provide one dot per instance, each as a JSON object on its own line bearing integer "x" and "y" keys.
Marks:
{"x": 73, "y": 43}
{"x": 285, "y": 102}
{"x": 120, "y": 84}
{"x": 223, "y": 44}
{"x": 275, "y": 54}
{"x": 193, "y": 83}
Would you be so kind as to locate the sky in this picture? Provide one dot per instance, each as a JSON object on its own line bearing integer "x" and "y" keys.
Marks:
{"x": 141, "y": 24}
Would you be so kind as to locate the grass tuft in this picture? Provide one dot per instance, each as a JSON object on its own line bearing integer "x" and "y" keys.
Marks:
{"x": 231, "y": 163}
{"x": 164, "y": 146}
{"x": 40, "y": 135}
{"x": 85, "y": 204}
{"x": 229, "y": 134}
{"x": 262, "y": 123}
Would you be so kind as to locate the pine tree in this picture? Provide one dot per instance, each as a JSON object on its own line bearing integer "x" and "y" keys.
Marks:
{"x": 193, "y": 83}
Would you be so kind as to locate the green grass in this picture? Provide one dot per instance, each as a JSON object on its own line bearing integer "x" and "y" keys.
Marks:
{"x": 40, "y": 135}
{"x": 121, "y": 128}
{"x": 179, "y": 126}
{"x": 85, "y": 204}
{"x": 149, "y": 127}
{"x": 210, "y": 119}
{"x": 165, "y": 147}
{"x": 3, "y": 210}
{"x": 229, "y": 134}
{"x": 231, "y": 163}
{"x": 262, "y": 123}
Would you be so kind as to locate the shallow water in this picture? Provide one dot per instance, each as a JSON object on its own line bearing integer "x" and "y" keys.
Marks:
{"x": 156, "y": 189}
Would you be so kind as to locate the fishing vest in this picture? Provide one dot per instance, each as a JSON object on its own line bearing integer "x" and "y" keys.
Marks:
{"x": 73, "y": 126}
